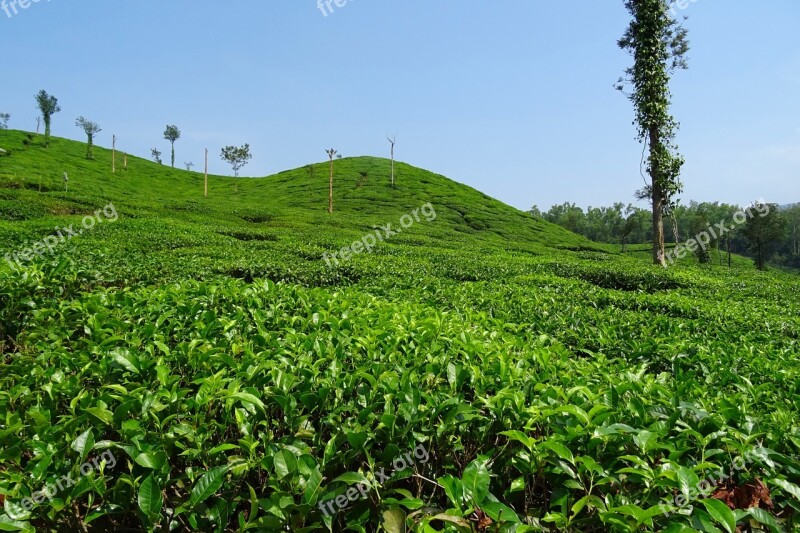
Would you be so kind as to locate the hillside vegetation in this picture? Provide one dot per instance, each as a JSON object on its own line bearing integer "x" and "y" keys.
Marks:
{"x": 480, "y": 370}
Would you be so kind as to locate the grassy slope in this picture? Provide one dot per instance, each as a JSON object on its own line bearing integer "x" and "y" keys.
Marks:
{"x": 510, "y": 322}
{"x": 292, "y": 199}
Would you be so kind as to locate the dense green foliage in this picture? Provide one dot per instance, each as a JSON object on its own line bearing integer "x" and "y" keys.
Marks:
{"x": 215, "y": 374}
{"x": 624, "y": 225}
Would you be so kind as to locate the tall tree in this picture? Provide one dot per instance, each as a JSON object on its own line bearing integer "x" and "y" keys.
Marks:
{"x": 48, "y": 106}
{"x": 658, "y": 44}
{"x": 4, "y": 118}
{"x": 90, "y": 129}
{"x": 172, "y": 134}
{"x": 763, "y": 230}
{"x": 237, "y": 157}
{"x": 331, "y": 153}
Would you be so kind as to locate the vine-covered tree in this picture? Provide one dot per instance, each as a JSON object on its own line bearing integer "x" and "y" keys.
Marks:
{"x": 237, "y": 157}
{"x": 155, "y": 153}
{"x": 658, "y": 44}
{"x": 48, "y": 106}
{"x": 172, "y": 134}
{"x": 90, "y": 129}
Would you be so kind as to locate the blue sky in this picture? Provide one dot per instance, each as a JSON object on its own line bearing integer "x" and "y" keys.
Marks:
{"x": 513, "y": 97}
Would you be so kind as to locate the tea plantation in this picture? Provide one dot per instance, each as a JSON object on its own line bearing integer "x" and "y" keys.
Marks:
{"x": 178, "y": 363}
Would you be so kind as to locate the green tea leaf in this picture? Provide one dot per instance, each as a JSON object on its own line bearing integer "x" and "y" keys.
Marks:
{"x": 721, "y": 513}
{"x": 150, "y": 498}
{"x": 207, "y": 485}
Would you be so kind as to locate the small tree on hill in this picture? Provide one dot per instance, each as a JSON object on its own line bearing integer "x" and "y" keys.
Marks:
{"x": 155, "y": 153}
{"x": 237, "y": 157}
{"x": 4, "y": 118}
{"x": 48, "y": 106}
{"x": 331, "y": 154}
{"x": 172, "y": 134}
{"x": 90, "y": 129}
{"x": 189, "y": 166}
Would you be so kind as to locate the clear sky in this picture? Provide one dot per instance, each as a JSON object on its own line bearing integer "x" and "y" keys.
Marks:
{"x": 513, "y": 97}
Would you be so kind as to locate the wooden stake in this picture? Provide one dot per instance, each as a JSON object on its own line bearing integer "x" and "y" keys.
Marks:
{"x": 126, "y": 161}
{"x": 330, "y": 153}
{"x": 392, "y": 141}
{"x": 206, "y": 178}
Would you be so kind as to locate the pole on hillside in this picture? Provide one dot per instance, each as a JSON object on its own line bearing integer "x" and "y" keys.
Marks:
{"x": 331, "y": 153}
{"x": 205, "y": 194}
{"x": 392, "y": 141}
{"x": 113, "y": 154}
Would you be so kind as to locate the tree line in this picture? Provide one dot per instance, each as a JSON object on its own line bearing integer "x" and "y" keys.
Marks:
{"x": 47, "y": 105}
{"x": 774, "y": 237}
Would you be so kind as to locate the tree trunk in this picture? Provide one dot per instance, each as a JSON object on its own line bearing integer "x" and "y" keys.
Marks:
{"x": 658, "y": 201}
{"x": 173, "y": 155}
{"x": 729, "y": 252}
{"x": 47, "y": 131}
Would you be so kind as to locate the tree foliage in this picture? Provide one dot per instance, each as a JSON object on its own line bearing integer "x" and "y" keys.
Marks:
{"x": 658, "y": 44}
{"x": 763, "y": 231}
{"x": 237, "y": 157}
{"x": 90, "y": 129}
{"x": 48, "y": 106}
{"x": 172, "y": 134}
{"x": 4, "y": 118}
{"x": 155, "y": 153}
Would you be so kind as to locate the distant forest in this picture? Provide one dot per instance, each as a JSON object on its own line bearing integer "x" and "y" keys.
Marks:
{"x": 626, "y": 224}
